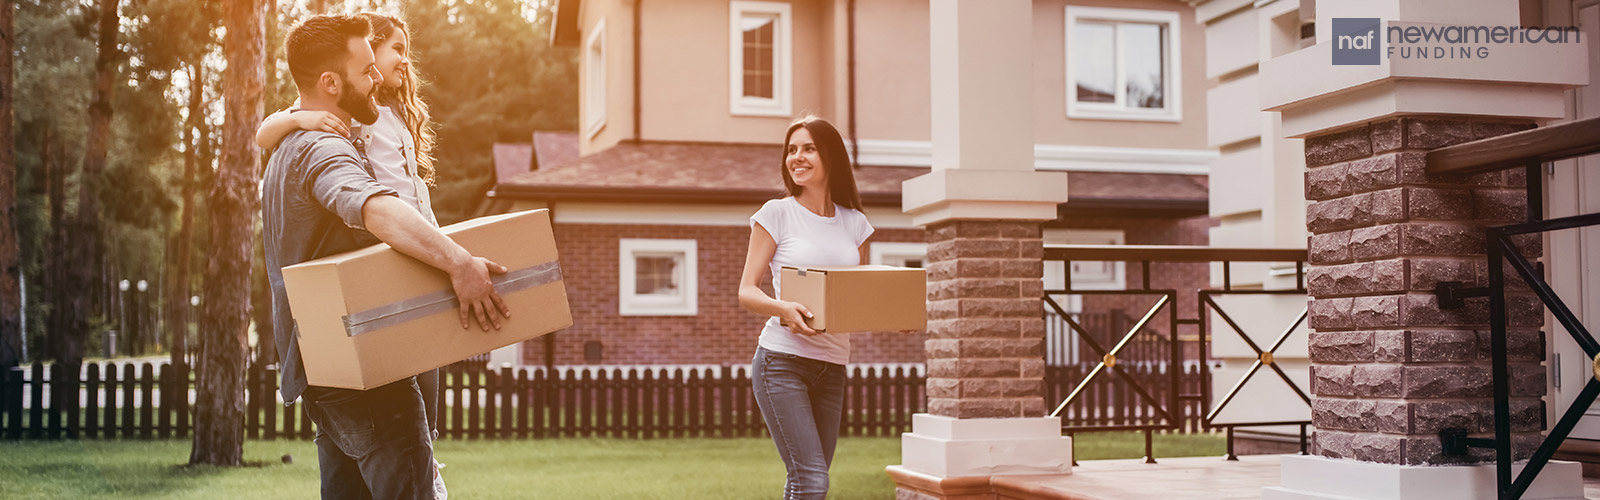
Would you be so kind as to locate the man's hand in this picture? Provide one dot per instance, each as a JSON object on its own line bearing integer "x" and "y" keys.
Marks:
{"x": 476, "y": 293}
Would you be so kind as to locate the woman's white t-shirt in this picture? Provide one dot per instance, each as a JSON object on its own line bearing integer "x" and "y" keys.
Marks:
{"x": 807, "y": 239}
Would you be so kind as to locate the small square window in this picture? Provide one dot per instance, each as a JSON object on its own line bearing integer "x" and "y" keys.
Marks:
{"x": 657, "y": 278}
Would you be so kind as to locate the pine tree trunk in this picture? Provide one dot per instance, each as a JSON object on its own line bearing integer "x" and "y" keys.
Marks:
{"x": 178, "y": 307}
{"x": 84, "y": 286}
{"x": 10, "y": 251}
{"x": 225, "y": 313}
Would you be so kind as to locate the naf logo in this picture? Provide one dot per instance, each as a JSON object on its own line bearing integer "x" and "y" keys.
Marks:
{"x": 1356, "y": 41}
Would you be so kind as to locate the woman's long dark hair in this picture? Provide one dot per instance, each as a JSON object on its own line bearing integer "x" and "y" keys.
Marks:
{"x": 835, "y": 161}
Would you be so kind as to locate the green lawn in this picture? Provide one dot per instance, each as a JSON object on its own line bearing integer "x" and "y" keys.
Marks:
{"x": 567, "y": 468}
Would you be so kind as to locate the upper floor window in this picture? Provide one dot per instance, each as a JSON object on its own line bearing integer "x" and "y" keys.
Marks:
{"x": 594, "y": 84}
{"x": 1122, "y": 64}
{"x": 760, "y": 45}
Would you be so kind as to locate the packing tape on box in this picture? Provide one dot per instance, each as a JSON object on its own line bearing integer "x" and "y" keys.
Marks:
{"x": 415, "y": 308}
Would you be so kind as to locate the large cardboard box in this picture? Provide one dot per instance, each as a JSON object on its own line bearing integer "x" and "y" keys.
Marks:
{"x": 845, "y": 299}
{"x": 373, "y": 316}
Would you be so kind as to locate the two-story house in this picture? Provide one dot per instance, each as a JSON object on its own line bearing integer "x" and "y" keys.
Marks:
{"x": 684, "y": 104}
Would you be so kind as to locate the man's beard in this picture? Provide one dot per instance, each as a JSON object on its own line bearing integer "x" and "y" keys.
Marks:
{"x": 360, "y": 106}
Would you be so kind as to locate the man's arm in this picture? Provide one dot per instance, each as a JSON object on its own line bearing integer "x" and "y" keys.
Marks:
{"x": 337, "y": 181}
{"x": 399, "y": 225}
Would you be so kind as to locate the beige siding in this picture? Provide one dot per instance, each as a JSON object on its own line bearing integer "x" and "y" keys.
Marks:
{"x": 686, "y": 69}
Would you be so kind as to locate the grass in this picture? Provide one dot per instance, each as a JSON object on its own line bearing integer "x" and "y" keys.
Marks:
{"x": 560, "y": 469}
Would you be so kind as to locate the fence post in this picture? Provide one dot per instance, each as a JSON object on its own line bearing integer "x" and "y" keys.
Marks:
{"x": 678, "y": 407}
{"x": 524, "y": 402}
{"x": 130, "y": 400}
{"x": 508, "y": 385}
{"x": 648, "y": 404}
{"x": 584, "y": 400}
{"x": 91, "y": 412}
{"x": 36, "y": 410}
{"x": 491, "y": 388}
{"x": 164, "y": 412}
{"x": 147, "y": 390}
{"x": 53, "y": 409}
{"x": 538, "y": 396}
{"x": 109, "y": 427}
{"x": 605, "y": 395}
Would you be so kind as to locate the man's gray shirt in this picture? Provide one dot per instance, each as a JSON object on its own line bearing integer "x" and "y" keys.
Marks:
{"x": 311, "y": 198}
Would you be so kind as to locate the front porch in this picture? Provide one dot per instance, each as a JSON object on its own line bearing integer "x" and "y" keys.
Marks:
{"x": 1193, "y": 478}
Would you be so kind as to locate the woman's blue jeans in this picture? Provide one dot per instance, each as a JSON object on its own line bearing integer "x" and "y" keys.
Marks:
{"x": 801, "y": 400}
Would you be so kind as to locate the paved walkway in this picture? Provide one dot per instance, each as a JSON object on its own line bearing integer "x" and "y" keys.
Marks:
{"x": 1196, "y": 478}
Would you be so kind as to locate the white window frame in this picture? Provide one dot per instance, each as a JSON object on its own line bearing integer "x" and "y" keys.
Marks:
{"x": 1117, "y": 280}
{"x": 888, "y": 253}
{"x": 1173, "y": 89}
{"x": 783, "y": 61}
{"x": 630, "y": 303}
{"x": 594, "y": 98}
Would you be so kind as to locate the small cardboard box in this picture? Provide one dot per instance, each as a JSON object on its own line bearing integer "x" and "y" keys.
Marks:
{"x": 845, "y": 299}
{"x": 373, "y": 316}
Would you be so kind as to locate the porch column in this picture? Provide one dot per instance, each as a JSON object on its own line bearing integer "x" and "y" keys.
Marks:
{"x": 982, "y": 206}
{"x": 1390, "y": 367}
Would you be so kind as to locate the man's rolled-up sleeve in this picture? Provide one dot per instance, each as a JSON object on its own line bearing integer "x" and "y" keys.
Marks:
{"x": 341, "y": 186}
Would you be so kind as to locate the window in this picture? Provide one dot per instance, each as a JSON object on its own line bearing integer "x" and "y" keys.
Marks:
{"x": 898, "y": 254}
{"x": 657, "y": 278}
{"x": 1122, "y": 64}
{"x": 759, "y": 58}
{"x": 1086, "y": 275}
{"x": 594, "y": 85}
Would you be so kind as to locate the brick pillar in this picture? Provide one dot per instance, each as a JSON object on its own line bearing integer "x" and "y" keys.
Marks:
{"x": 1390, "y": 369}
{"x": 985, "y": 343}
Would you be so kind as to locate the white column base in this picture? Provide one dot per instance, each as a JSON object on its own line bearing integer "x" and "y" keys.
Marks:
{"x": 1320, "y": 478}
{"x": 948, "y": 447}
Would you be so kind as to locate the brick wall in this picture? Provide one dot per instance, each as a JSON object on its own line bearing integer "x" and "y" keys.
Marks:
{"x": 1390, "y": 368}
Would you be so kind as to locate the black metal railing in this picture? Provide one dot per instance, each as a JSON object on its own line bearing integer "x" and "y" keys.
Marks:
{"x": 1529, "y": 150}
{"x": 1174, "y": 398}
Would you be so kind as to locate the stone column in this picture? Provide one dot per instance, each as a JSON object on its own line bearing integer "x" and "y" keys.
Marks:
{"x": 982, "y": 206}
{"x": 1390, "y": 368}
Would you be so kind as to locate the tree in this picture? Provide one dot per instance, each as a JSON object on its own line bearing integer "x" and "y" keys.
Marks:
{"x": 84, "y": 238}
{"x": 225, "y": 316}
{"x": 10, "y": 249}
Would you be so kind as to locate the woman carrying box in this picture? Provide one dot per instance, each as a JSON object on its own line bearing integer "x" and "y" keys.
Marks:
{"x": 798, "y": 375}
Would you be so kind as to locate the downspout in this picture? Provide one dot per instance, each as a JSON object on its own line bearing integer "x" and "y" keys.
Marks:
{"x": 638, "y": 5}
{"x": 850, "y": 47}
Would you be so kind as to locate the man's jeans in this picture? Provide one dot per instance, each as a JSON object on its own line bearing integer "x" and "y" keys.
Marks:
{"x": 372, "y": 444}
{"x": 801, "y": 399}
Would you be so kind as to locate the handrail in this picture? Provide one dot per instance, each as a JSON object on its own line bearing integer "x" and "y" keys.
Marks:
{"x": 1171, "y": 253}
{"x": 1556, "y": 142}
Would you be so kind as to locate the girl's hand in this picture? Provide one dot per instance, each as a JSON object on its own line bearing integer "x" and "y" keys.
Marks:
{"x": 795, "y": 315}
{"x": 321, "y": 120}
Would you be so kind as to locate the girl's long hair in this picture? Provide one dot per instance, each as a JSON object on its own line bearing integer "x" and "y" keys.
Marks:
{"x": 407, "y": 99}
{"x": 835, "y": 158}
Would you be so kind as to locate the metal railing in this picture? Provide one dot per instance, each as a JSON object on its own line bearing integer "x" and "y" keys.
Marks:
{"x": 1529, "y": 150}
{"x": 1171, "y": 400}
